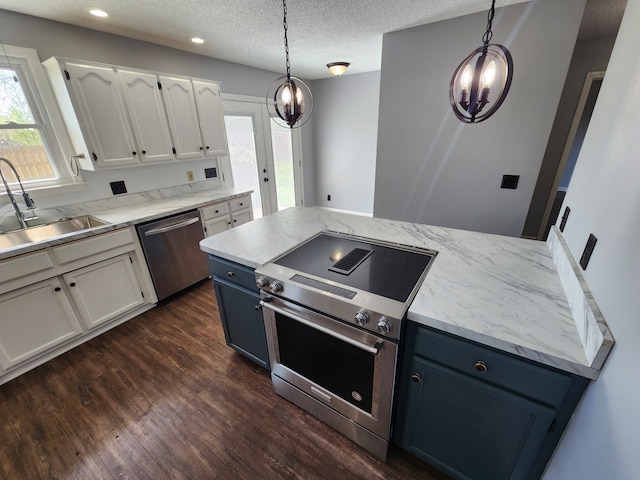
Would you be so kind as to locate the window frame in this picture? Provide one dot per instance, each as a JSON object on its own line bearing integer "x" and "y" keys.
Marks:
{"x": 37, "y": 89}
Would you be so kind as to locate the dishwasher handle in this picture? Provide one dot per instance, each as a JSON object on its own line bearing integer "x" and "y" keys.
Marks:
{"x": 173, "y": 226}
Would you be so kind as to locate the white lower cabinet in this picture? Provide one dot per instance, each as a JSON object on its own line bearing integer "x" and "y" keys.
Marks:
{"x": 35, "y": 319}
{"x": 104, "y": 290}
{"x": 218, "y": 217}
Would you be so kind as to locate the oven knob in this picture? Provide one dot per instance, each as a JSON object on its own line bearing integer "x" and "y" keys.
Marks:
{"x": 262, "y": 282}
{"x": 361, "y": 317}
{"x": 276, "y": 286}
{"x": 384, "y": 325}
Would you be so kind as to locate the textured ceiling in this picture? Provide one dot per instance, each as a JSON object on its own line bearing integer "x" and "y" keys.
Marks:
{"x": 250, "y": 32}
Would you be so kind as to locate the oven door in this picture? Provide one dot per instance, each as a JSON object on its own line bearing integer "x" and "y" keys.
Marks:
{"x": 349, "y": 370}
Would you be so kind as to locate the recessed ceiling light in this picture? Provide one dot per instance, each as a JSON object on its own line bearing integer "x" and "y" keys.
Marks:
{"x": 96, "y": 12}
{"x": 197, "y": 40}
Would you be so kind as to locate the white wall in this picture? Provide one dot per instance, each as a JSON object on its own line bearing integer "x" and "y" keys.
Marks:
{"x": 433, "y": 169}
{"x": 603, "y": 439}
{"x": 346, "y": 125}
{"x": 50, "y": 38}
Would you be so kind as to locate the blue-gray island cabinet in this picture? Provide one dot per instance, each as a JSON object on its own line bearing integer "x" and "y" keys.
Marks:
{"x": 477, "y": 413}
{"x": 238, "y": 299}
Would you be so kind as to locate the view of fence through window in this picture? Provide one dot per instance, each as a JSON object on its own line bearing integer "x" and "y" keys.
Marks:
{"x": 283, "y": 161}
{"x": 20, "y": 138}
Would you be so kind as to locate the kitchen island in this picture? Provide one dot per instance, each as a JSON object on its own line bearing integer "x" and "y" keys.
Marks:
{"x": 503, "y": 292}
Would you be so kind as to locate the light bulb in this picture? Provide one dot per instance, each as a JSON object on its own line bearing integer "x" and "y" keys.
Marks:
{"x": 465, "y": 78}
{"x": 286, "y": 94}
{"x": 299, "y": 96}
{"x": 489, "y": 75}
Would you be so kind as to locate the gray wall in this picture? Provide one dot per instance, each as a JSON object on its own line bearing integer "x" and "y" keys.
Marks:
{"x": 590, "y": 55}
{"x": 346, "y": 120}
{"x": 58, "y": 39}
{"x": 433, "y": 169}
{"x": 604, "y": 195}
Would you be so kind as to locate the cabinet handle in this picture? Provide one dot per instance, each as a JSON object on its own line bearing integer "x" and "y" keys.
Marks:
{"x": 134, "y": 153}
{"x": 57, "y": 289}
{"x": 207, "y": 147}
{"x": 216, "y": 211}
{"x": 416, "y": 378}
{"x": 241, "y": 204}
{"x": 72, "y": 284}
{"x": 258, "y": 307}
{"x": 231, "y": 274}
{"x": 144, "y": 152}
{"x": 201, "y": 148}
{"x": 480, "y": 366}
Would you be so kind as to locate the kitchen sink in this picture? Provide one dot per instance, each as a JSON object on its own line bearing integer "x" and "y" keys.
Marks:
{"x": 48, "y": 231}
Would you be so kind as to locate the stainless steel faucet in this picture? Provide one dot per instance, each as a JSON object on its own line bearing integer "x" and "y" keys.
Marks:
{"x": 29, "y": 203}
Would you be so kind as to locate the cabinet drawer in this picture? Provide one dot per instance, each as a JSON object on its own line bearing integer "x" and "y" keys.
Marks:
{"x": 213, "y": 211}
{"x": 100, "y": 243}
{"x": 240, "y": 203}
{"x": 518, "y": 375}
{"x": 233, "y": 272}
{"x": 24, "y": 265}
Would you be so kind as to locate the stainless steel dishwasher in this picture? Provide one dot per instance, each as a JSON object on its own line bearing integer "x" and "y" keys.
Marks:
{"x": 171, "y": 247}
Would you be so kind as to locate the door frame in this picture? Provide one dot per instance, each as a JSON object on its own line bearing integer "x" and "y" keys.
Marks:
{"x": 577, "y": 117}
{"x": 256, "y": 107}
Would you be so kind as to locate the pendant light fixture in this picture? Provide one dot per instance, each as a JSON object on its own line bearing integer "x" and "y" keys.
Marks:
{"x": 289, "y": 100}
{"x": 481, "y": 82}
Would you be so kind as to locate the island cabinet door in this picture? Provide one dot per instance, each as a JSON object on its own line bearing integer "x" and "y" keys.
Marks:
{"x": 242, "y": 320}
{"x": 471, "y": 429}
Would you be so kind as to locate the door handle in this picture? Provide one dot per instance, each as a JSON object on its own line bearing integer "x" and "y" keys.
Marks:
{"x": 173, "y": 226}
{"x": 266, "y": 179}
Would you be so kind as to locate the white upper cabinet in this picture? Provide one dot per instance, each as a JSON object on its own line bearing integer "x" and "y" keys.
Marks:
{"x": 183, "y": 116}
{"x": 146, "y": 112}
{"x": 103, "y": 117}
{"x": 120, "y": 116}
{"x": 211, "y": 116}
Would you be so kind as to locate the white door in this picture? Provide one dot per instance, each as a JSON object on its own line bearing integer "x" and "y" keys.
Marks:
{"x": 144, "y": 103}
{"x": 104, "y": 114}
{"x": 209, "y": 105}
{"x": 261, "y": 157}
{"x": 183, "y": 116}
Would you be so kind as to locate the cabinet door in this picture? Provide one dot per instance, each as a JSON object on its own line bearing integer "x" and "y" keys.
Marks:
{"x": 243, "y": 324}
{"x": 35, "y": 319}
{"x": 239, "y": 218}
{"x": 183, "y": 117}
{"x": 471, "y": 429}
{"x": 103, "y": 112}
{"x": 216, "y": 225}
{"x": 104, "y": 290}
{"x": 146, "y": 111}
{"x": 211, "y": 116}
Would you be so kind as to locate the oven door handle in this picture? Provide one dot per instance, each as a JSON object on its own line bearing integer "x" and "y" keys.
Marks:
{"x": 373, "y": 349}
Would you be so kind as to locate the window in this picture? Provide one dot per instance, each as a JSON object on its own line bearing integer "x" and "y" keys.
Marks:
{"x": 28, "y": 136}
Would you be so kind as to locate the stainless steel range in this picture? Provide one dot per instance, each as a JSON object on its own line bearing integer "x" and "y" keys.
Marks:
{"x": 334, "y": 309}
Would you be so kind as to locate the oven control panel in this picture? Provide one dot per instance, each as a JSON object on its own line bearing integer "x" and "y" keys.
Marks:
{"x": 340, "y": 303}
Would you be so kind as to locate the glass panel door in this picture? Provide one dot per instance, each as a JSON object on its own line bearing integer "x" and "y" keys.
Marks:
{"x": 244, "y": 158}
{"x": 283, "y": 166}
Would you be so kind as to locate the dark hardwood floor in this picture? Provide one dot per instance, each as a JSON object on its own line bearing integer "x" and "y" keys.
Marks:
{"x": 161, "y": 397}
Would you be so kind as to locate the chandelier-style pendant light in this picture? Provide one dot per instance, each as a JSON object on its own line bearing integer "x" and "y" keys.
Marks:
{"x": 289, "y": 99}
{"x": 482, "y": 79}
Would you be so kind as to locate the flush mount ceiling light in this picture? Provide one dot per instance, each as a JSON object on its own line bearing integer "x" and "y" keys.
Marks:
{"x": 96, "y": 12}
{"x": 338, "y": 68}
{"x": 197, "y": 40}
{"x": 482, "y": 79}
{"x": 289, "y": 100}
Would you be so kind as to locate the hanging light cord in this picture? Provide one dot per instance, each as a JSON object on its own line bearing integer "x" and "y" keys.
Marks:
{"x": 488, "y": 34}
{"x": 15, "y": 77}
{"x": 286, "y": 39}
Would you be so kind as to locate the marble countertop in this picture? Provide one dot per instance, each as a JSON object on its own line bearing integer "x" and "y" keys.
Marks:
{"x": 119, "y": 212}
{"x": 503, "y": 292}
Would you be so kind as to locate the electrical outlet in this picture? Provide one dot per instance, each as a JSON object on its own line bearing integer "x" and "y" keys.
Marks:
{"x": 510, "y": 181}
{"x": 210, "y": 172}
{"x": 190, "y": 175}
{"x": 118, "y": 187}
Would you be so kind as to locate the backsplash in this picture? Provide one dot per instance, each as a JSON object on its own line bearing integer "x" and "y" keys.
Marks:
{"x": 591, "y": 325}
